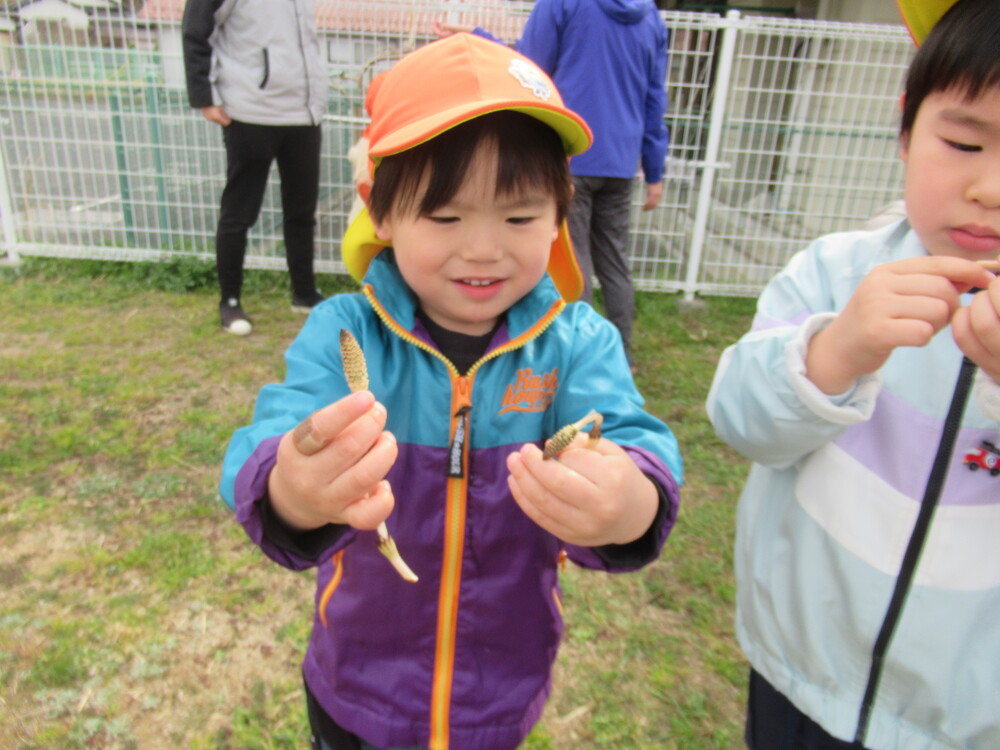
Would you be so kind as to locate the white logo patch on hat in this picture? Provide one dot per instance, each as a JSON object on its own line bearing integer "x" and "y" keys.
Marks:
{"x": 531, "y": 78}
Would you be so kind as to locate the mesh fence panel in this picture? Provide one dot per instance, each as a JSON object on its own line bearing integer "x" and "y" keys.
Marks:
{"x": 103, "y": 157}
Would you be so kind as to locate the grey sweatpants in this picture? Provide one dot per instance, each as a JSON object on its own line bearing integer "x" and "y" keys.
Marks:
{"x": 598, "y": 225}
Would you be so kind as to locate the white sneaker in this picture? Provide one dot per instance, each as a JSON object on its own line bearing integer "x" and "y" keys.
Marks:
{"x": 233, "y": 318}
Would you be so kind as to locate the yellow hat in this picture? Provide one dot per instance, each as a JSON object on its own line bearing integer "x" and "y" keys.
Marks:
{"x": 920, "y": 16}
{"x": 444, "y": 84}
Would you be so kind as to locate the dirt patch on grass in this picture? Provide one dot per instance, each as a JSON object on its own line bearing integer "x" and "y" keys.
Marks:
{"x": 137, "y": 615}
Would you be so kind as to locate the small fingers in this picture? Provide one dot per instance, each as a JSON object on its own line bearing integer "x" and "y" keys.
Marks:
{"x": 358, "y": 479}
{"x": 368, "y": 511}
{"x": 359, "y": 437}
{"x": 917, "y": 296}
{"x": 525, "y": 491}
{"x": 963, "y": 274}
{"x": 317, "y": 430}
{"x": 976, "y": 330}
{"x": 546, "y": 490}
{"x": 583, "y": 459}
{"x": 304, "y": 440}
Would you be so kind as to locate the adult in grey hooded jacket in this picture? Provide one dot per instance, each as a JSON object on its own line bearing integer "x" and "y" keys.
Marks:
{"x": 254, "y": 67}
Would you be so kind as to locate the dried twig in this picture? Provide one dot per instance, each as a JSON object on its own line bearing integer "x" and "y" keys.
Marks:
{"x": 356, "y": 372}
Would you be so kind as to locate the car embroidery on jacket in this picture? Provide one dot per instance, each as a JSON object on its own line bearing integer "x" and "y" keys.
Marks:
{"x": 986, "y": 457}
{"x": 530, "y": 392}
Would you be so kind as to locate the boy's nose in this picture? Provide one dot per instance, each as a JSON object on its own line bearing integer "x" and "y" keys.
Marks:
{"x": 481, "y": 245}
{"x": 985, "y": 188}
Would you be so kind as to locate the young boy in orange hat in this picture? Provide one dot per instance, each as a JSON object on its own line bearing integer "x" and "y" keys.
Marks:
{"x": 867, "y": 556}
{"x": 475, "y": 358}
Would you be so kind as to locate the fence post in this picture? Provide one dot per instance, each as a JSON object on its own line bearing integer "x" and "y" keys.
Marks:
{"x": 123, "y": 185}
{"x": 156, "y": 141}
{"x": 723, "y": 77}
{"x": 7, "y": 213}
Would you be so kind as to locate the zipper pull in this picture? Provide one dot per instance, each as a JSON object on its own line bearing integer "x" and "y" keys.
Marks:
{"x": 456, "y": 453}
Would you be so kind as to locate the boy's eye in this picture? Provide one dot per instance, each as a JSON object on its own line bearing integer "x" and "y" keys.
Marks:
{"x": 967, "y": 147}
{"x": 443, "y": 219}
{"x": 520, "y": 220}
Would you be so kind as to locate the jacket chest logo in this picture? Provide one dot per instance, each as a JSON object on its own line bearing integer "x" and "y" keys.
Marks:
{"x": 985, "y": 457}
{"x": 530, "y": 392}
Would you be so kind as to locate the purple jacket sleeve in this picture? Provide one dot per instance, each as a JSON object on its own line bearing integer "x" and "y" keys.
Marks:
{"x": 590, "y": 557}
{"x": 250, "y": 488}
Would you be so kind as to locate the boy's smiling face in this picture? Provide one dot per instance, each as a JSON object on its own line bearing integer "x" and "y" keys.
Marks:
{"x": 470, "y": 260}
{"x": 952, "y": 186}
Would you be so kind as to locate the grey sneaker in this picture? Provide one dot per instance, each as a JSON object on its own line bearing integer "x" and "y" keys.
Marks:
{"x": 304, "y": 303}
{"x": 234, "y": 320}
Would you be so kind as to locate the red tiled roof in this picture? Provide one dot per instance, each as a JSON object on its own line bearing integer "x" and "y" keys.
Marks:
{"x": 395, "y": 17}
{"x": 161, "y": 10}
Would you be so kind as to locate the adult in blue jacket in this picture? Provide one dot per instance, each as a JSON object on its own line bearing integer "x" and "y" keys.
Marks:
{"x": 608, "y": 58}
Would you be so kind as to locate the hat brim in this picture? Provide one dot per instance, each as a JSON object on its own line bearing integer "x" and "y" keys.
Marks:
{"x": 920, "y": 16}
{"x": 572, "y": 130}
{"x": 361, "y": 244}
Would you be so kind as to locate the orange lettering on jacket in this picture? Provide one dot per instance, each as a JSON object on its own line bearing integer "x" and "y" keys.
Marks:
{"x": 530, "y": 392}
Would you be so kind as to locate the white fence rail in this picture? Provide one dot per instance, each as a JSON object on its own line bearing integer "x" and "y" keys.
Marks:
{"x": 781, "y": 130}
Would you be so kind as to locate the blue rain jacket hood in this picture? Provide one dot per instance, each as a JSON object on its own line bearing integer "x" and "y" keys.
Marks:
{"x": 626, "y": 11}
{"x": 608, "y": 58}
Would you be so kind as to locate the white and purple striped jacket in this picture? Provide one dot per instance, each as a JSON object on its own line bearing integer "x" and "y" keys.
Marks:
{"x": 828, "y": 510}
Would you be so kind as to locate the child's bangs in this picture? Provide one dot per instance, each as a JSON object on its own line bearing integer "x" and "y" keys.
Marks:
{"x": 959, "y": 55}
{"x": 971, "y": 77}
{"x": 529, "y": 157}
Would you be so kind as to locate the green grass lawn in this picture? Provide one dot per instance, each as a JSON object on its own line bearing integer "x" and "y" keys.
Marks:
{"x": 136, "y": 614}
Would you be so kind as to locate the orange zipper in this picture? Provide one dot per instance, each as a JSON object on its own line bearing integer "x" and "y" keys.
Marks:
{"x": 455, "y": 509}
{"x": 451, "y": 568}
{"x": 338, "y": 572}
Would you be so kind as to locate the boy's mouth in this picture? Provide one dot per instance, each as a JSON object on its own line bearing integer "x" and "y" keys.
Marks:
{"x": 480, "y": 290}
{"x": 976, "y": 239}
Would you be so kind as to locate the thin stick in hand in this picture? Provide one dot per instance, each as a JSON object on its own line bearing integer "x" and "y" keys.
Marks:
{"x": 564, "y": 436}
{"x": 356, "y": 373}
{"x": 990, "y": 265}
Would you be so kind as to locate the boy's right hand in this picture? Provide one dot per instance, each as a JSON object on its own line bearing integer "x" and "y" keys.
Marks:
{"x": 897, "y": 304}
{"x": 342, "y": 482}
{"x": 443, "y": 30}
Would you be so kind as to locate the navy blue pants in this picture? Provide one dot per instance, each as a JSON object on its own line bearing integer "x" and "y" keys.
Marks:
{"x": 250, "y": 151}
{"x": 329, "y": 735}
{"x": 774, "y": 723}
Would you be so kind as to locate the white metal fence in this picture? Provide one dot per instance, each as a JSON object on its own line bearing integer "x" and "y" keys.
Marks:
{"x": 781, "y": 130}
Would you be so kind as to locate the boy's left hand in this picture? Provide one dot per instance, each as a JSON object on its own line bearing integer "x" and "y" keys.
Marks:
{"x": 586, "y": 497}
{"x": 976, "y": 329}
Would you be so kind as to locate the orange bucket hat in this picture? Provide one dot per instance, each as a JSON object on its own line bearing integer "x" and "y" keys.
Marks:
{"x": 444, "y": 84}
{"x": 920, "y": 16}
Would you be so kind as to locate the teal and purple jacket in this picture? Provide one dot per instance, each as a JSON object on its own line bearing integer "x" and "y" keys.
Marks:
{"x": 463, "y": 657}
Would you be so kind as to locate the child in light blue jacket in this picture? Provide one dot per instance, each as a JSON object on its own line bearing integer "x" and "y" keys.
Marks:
{"x": 867, "y": 554}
